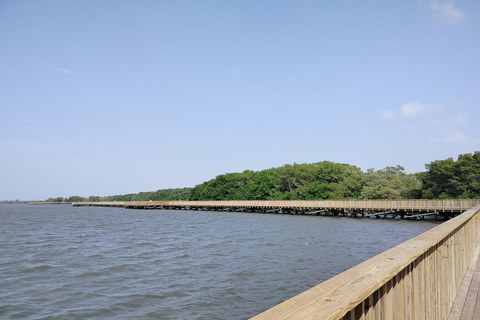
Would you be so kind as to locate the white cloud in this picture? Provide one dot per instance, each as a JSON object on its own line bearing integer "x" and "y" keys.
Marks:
{"x": 458, "y": 137}
{"x": 441, "y": 127}
{"x": 412, "y": 109}
{"x": 447, "y": 12}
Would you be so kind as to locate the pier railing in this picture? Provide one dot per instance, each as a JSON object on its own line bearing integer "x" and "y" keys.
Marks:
{"x": 417, "y": 279}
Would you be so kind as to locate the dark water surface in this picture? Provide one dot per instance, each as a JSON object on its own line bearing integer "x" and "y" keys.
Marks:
{"x": 61, "y": 262}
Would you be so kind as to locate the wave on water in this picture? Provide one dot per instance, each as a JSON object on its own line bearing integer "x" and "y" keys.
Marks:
{"x": 39, "y": 268}
{"x": 61, "y": 262}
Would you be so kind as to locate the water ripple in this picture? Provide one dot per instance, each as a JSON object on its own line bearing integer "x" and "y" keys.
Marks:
{"x": 60, "y": 262}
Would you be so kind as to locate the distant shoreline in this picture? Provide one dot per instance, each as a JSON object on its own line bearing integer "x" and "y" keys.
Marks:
{"x": 14, "y": 202}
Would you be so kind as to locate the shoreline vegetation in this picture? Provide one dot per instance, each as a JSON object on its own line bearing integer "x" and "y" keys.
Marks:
{"x": 14, "y": 202}
{"x": 443, "y": 179}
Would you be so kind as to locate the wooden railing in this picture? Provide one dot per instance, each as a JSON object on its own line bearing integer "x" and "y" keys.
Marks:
{"x": 417, "y": 279}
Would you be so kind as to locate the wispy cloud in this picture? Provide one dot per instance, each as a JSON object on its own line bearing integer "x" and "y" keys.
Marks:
{"x": 445, "y": 126}
{"x": 64, "y": 70}
{"x": 446, "y": 12}
{"x": 459, "y": 137}
{"x": 409, "y": 110}
{"x": 413, "y": 109}
{"x": 47, "y": 66}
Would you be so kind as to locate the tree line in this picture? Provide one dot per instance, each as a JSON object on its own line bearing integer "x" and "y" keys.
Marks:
{"x": 14, "y": 202}
{"x": 443, "y": 179}
{"x": 159, "y": 195}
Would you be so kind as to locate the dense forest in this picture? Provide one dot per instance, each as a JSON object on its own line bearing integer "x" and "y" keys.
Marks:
{"x": 443, "y": 179}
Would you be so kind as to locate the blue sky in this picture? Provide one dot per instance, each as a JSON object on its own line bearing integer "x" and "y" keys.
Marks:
{"x": 114, "y": 97}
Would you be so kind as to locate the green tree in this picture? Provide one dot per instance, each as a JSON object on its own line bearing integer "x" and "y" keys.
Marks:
{"x": 75, "y": 199}
{"x": 57, "y": 199}
{"x": 94, "y": 199}
{"x": 322, "y": 180}
{"x": 390, "y": 183}
{"x": 449, "y": 179}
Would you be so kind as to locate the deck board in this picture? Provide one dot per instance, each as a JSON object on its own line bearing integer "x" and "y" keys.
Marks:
{"x": 467, "y": 302}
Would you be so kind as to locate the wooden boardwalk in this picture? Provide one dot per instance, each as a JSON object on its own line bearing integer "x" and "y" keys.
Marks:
{"x": 359, "y": 207}
{"x": 404, "y": 209}
{"x": 467, "y": 302}
{"x": 396, "y": 209}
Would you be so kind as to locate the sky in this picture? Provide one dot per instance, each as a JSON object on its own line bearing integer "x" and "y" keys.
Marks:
{"x": 121, "y": 96}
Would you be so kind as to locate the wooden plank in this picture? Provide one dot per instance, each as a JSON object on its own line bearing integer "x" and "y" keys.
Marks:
{"x": 401, "y": 296}
{"x": 476, "y": 277}
{"x": 378, "y": 214}
{"x": 358, "y": 313}
{"x": 408, "y": 280}
{"x": 368, "y": 307}
{"x": 427, "y": 286}
{"x": 457, "y": 309}
{"x": 392, "y": 305}
{"x": 420, "y": 215}
{"x": 471, "y": 300}
{"x": 476, "y": 312}
{"x": 433, "y": 283}
{"x": 414, "y": 293}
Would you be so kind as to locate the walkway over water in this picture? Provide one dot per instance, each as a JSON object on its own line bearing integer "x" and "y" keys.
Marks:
{"x": 411, "y": 209}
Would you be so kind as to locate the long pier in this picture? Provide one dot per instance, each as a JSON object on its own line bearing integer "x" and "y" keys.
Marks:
{"x": 404, "y": 209}
{"x": 49, "y": 202}
{"x": 120, "y": 204}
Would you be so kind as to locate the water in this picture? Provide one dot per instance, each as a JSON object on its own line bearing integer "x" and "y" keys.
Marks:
{"x": 61, "y": 262}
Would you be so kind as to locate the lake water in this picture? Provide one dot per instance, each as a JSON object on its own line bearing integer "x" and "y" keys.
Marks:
{"x": 61, "y": 262}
